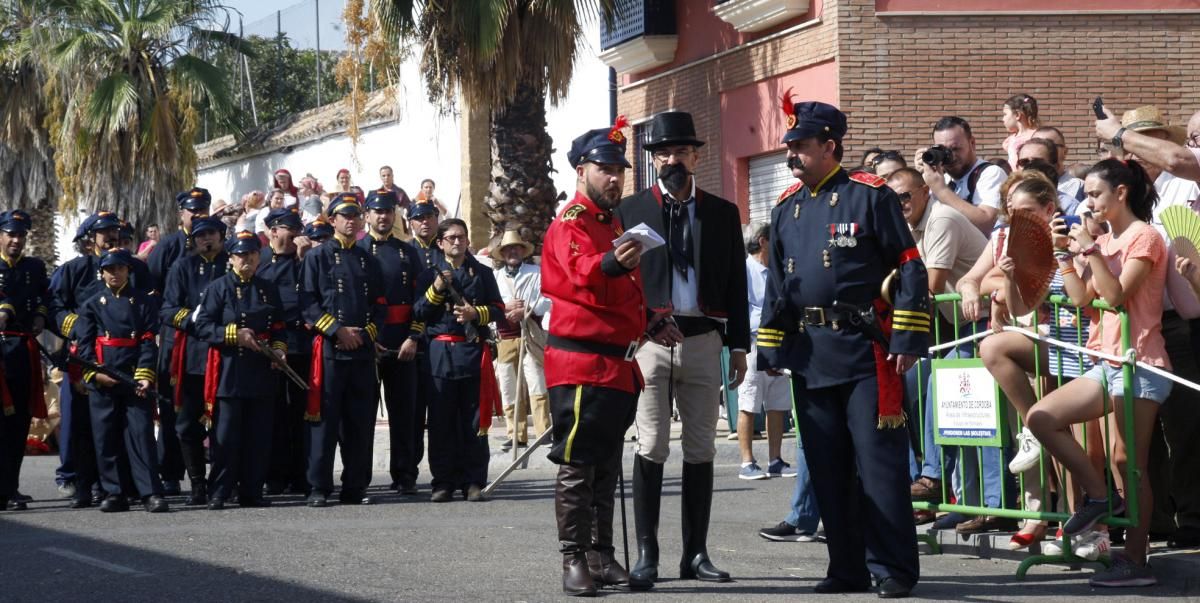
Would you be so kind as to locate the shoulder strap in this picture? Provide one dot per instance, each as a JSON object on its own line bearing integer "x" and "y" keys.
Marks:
{"x": 973, "y": 180}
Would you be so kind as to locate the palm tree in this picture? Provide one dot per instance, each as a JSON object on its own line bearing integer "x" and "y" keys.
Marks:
{"x": 128, "y": 79}
{"x": 510, "y": 56}
{"x": 27, "y": 178}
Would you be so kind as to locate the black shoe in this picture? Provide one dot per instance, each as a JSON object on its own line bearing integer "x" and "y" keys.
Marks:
{"x": 17, "y": 496}
{"x": 275, "y": 488}
{"x": 1186, "y": 537}
{"x": 98, "y": 497}
{"x": 475, "y": 494}
{"x": 394, "y": 486}
{"x": 171, "y": 487}
{"x": 891, "y": 588}
{"x": 15, "y": 504}
{"x": 441, "y": 496}
{"x": 246, "y": 502}
{"x": 155, "y": 504}
{"x": 354, "y": 497}
{"x": 81, "y": 502}
{"x": 408, "y": 489}
{"x": 216, "y": 503}
{"x": 199, "y": 494}
{"x": 833, "y": 586}
{"x": 317, "y": 500}
{"x": 949, "y": 521}
{"x": 114, "y": 504}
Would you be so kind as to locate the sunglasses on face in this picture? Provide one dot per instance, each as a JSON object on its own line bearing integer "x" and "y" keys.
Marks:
{"x": 904, "y": 197}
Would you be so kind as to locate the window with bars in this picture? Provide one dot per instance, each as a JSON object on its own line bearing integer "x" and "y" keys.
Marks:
{"x": 643, "y": 166}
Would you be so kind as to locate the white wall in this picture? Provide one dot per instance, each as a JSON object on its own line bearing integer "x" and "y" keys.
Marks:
{"x": 420, "y": 144}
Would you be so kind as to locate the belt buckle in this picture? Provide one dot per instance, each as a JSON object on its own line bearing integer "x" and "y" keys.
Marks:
{"x": 631, "y": 351}
{"x": 810, "y": 312}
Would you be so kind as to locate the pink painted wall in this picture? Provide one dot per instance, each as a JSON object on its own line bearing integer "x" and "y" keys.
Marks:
{"x": 752, "y": 122}
{"x": 702, "y": 33}
{"x": 1032, "y": 5}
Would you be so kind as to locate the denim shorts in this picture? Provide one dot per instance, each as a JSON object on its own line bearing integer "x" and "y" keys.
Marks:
{"x": 1146, "y": 385}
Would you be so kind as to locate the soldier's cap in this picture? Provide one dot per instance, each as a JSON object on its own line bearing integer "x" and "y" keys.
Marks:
{"x": 318, "y": 229}
{"x": 671, "y": 128}
{"x": 382, "y": 199}
{"x": 420, "y": 209}
{"x": 811, "y": 118}
{"x": 244, "y": 242}
{"x": 126, "y": 231}
{"x": 288, "y": 217}
{"x": 207, "y": 224}
{"x": 345, "y": 203}
{"x": 116, "y": 257}
{"x": 103, "y": 220}
{"x": 602, "y": 145}
{"x": 196, "y": 199}
{"x": 15, "y": 221}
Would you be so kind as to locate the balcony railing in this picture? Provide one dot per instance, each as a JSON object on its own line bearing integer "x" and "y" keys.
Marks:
{"x": 638, "y": 18}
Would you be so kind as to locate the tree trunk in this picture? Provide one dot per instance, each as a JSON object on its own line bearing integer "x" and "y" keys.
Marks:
{"x": 521, "y": 195}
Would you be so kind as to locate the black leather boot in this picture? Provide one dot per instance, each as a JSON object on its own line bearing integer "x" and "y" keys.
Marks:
{"x": 573, "y": 513}
{"x": 647, "y": 500}
{"x": 193, "y": 460}
{"x": 199, "y": 494}
{"x": 697, "y": 506}
{"x": 601, "y": 559}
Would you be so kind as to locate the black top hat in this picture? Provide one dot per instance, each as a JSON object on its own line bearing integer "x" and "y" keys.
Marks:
{"x": 671, "y": 128}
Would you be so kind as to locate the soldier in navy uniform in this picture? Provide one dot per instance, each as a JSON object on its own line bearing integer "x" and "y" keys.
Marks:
{"x": 22, "y": 317}
{"x": 341, "y": 295}
{"x": 835, "y": 237}
{"x": 239, "y": 312}
{"x": 186, "y": 282}
{"x": 280, "y": 265}
{"x": 71, "y": 285}
{"x": 117, "y": 330}
{"x": 397, "y": 343}
{"x": 464, "y": 387}
{"x": 192, "y": 204}
{"x": 422, "y": 223}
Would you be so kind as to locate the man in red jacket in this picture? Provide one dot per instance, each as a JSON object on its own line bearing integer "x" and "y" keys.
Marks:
{"x": 597, "y": 320}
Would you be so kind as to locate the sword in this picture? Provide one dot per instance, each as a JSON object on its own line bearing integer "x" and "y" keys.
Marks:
{"x": 280, "y": 364}
{"x": 118, "y": 376}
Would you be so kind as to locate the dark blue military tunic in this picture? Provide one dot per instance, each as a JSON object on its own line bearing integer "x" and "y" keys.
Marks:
{"x": 164, "y": 255}
{"x": 284, "y": 272}
{"x": 22, "y": 298}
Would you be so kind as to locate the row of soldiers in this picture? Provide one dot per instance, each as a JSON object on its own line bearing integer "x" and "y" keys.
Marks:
{"x": 200, "y": 336}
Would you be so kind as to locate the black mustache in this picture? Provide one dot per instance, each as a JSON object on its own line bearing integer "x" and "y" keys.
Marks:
{"x": 794, "y": 163}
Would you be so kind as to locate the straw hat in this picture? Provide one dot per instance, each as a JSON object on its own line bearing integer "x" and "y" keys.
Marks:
{"x": 1148, "y": 118}
{"x": 511, "y": 237}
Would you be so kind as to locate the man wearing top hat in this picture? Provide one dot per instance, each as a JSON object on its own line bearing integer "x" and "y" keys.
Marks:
{"x": 835, "y": 237}
{"x": 192, "y": 204}
{"x": 23, "y": 313}
{"x": 341, "y": 296}
{"x": 521, "y": 343}
{"x": 279, "y": 264}
{"x": 73, "y": 284}
{"x": 698, "y": 280}
{"x": 596, "y": 326}
{"x": 186, "y": 281}
{"x": 397, "y": 343}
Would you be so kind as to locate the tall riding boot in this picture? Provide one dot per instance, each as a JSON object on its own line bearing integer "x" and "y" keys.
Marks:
{"x": 647, "y": 499}
{"x": 603, "y": 565}
{"x": 697, "y": 506}
{"x": 193, "y": 460}
{"x": 573, "y": 512}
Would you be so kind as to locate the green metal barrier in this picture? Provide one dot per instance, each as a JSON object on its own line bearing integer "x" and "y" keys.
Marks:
{"x": 1046, "y": 465}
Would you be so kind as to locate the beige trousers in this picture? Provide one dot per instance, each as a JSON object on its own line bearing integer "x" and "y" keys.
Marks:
{"x": 696, "y": 374}
{"x": 514, "y": 399}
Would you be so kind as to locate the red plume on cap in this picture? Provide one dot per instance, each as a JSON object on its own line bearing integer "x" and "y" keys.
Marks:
{"x": 789, "y": 108}
{"x": 615, "y": 133}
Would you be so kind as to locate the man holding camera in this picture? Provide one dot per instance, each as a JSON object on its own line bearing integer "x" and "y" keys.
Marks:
{"x": 957, "y": 177}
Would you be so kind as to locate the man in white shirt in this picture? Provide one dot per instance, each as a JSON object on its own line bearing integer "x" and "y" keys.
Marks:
{"x": 963, "y": 182}
{"x": 521, "y": 342}
{"x": 1067, "y": 184}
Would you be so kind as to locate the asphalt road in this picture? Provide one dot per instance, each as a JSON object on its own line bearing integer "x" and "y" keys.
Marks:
{"x": 411, "y": 550}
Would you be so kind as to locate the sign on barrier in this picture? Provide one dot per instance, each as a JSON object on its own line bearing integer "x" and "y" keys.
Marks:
{"x": 967, "y": 404}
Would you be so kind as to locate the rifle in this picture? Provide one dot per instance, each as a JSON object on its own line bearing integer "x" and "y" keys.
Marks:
{"x": 280, "y": 364}
{"x": 120, "y": 377}
{"x": 454, "y": 294}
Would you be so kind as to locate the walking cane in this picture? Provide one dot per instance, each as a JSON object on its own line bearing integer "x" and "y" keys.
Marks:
{"x": 624, "y": 525}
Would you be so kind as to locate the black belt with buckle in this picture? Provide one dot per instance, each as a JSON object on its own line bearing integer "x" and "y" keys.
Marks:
{"x": 584, "y": 346}
{"x": 820, "y": 317}
{"x": 691, "y": 326}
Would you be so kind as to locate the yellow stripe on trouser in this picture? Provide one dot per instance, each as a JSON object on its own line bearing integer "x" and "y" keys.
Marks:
{"x": 575, "y": 425}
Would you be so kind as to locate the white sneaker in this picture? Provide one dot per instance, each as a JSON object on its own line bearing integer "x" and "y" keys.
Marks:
{"x": 1054, "y": 547}
{"x": 1092, "y": 544}
{"x": 1029, "y": 450}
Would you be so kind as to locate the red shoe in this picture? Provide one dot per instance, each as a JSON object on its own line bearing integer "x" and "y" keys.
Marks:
{"x": 1023, "y": 539}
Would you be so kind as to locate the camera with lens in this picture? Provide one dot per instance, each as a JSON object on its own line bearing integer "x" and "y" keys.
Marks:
{"x": 937, "y": 155}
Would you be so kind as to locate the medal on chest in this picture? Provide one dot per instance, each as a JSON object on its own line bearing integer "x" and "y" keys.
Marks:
{"x": 843, "y": 234}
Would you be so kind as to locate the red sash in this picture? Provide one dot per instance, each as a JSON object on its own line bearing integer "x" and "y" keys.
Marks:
{"x": 312, "y": 412}
{"x": 398, "y": 314}
{"x": 890, "y": 384}
{"x": 37, "y": 391}
{"x": 489, "y": 389}
{"x": 212, "y": 379}
{"x": 178, "y": 366}
{"x": 112, "y": 342}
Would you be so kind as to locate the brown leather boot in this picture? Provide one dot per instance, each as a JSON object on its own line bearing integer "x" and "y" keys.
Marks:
{"x": 577, "y": 580}
{"x": 573, "y": 513}
{"x": 601, "y": 561}
{"x": 606, "y": 571}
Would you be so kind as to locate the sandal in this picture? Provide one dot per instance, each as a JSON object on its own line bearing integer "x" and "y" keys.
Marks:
{"x": 1024, "y": 538}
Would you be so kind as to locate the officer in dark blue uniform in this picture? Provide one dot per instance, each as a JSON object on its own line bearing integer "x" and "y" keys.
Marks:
{"x": 186, "y": 281}
{"x": 240, "y": 312}
{"x": 117, "y": 330}
{"x": 422, "y": 223}
{"x": 341, "y": 295}
{"x": 835, "y": 237}
{"x": 280, "y": 265}
{"x": 71, "y": 285}
{"x": 22, "y": 317}
{"x": 192, "y": 204}
{"x": 461, "y": 406}
{"x": 398, "y": 261}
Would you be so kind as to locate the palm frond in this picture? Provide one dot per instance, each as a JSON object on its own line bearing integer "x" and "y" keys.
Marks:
{"x": 111, "y": 105}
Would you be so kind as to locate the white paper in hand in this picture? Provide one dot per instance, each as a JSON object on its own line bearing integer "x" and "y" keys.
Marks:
{"x": 642, "y": 234}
